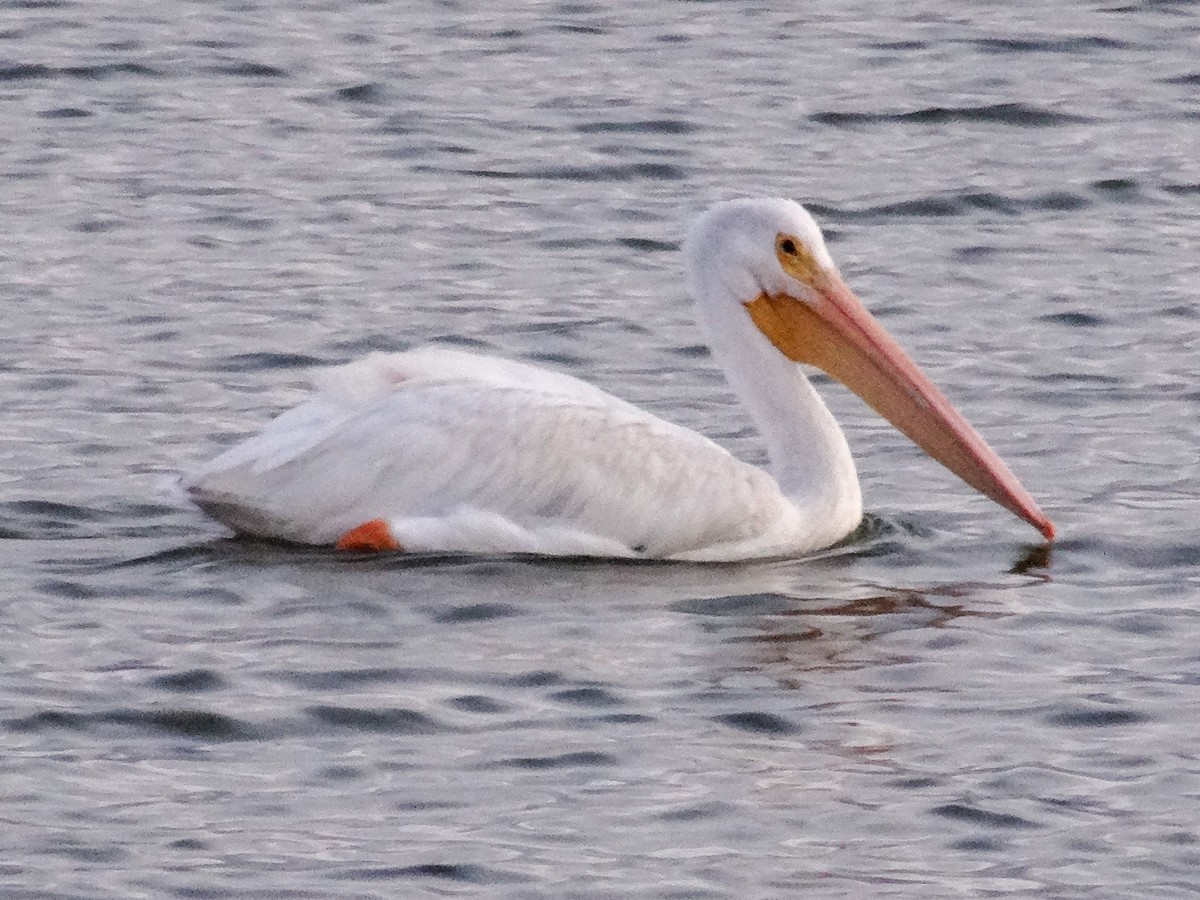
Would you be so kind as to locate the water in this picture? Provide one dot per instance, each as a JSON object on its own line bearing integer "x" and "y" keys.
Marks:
{"x": 201, "y": 201}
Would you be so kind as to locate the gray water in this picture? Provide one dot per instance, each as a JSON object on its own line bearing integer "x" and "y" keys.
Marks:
{"x": 201, "y": 201}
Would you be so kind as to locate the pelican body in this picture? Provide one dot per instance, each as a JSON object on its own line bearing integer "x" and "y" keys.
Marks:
{"x": 438, "y": 450}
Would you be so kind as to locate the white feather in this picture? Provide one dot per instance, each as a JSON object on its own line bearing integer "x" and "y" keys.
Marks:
{"x": 461, "y": 452}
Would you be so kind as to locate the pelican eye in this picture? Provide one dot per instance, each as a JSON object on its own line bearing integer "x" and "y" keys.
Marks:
{"x": 796, "y": 258}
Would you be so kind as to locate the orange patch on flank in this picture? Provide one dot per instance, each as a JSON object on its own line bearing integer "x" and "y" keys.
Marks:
{"x": 373, "y": 535}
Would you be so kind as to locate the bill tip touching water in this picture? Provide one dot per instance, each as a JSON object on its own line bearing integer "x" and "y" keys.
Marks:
{"x": 438, "y": 450}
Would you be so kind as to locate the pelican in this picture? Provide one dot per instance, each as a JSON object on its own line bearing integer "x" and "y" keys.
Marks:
{"x": 442, "y": 451}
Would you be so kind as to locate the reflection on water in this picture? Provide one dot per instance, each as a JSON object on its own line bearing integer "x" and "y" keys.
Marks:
{"x": 803, "y": 631}
{"x": 1034, "y": 561}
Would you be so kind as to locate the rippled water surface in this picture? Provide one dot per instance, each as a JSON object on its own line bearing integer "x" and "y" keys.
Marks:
{"x": 201, "y": 201}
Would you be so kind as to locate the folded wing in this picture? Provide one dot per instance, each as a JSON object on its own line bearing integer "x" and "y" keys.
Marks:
{"x": 455, "y": 447}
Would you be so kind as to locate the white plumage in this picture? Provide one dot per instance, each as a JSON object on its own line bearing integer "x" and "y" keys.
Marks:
{"x": 460, "y": 452}
{"x": 447, "y": 451}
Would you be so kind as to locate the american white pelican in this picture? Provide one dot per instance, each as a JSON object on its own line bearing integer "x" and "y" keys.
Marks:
{"x": 438, "y": 450}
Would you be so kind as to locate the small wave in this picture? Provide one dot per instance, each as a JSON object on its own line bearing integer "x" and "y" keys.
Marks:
{"x": 1078, "y": 44}
{"x": 1095, "y": 555}
{"x": 172, "y": 558}
{"x": 897, "y": 45}
{"x": 34, "y": 71}
{"x": 558, "y": 360}
{"x": 960, "y": 204}
{"x": 579, "y": 759}
{"x": 1074, "y": 319}
{"x": 476, "y": 612}
{"x": 50, "y": 510}
{"x": 43, "y": 520}
{"x": 1059, "y": 201}
{"x": 190, "y": 723}
{"x": 396, "y": 720}
{"x": 570, "y": 243}
{"x": 1095, "y": 717}
{"x": 594, "y": 697}
{"x": 248, "y": 70}
{"x": 479, "y": 703}
{"x": 66, "y": 112}
{"x": 629, "y": 172}
{"x": 267, "y": 361}
{"x": 695, "y": 812}
{"x": 757, "y": 723}
{"x": 644, "y": 126}
{"x": 1123, "y": 187}
{"x": 1020, "y": 114}
{"x": 533, "y": 679}
{"x": 362, "y": 93}
{"x": 190, "y": 681}
{"x": 1082, "y": 378}
{"x": 578, "y": 29}
{"x": 645, "y": 245}
{"x": 973, "y": 815}
{"x": 343, "y": 679}
{"x": 47, "y": 519}
{"x": 237, "y": 221}
{"x": 736, "y": 606}
{"x": 467, "y": 873}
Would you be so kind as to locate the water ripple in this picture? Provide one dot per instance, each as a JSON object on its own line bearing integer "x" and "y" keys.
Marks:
{"x": 1095, "y": 717}
{"x": 644, "y": 126}
{"x": 757, "y": 723}
{"x": 604, "y": 173}
{"x": 1020, "y": 115}
{"x": 959, "y": 204}
{"x": 1074, "y": 319}
{"x": 466, "y": 873}
{"x": 1081, "y": 44}
{"x": 363, "y": 93}
{"x": 265, "y": 361}
{"x": 476, "y": 612}
{"x": 202, "y": 725}
{"x": 384, "y": 721}
{"x": 580, "y": 759}
{"x": 191, "y": 681}
{"x": 247, "y": 69}
{"x": 973, "y": 815}
{"x": 477, "y": 703}
{"x": 34, "y": 71}
{"x": 586, "y": 696}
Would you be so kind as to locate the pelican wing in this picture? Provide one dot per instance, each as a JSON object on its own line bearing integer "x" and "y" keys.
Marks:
{"x": 462, "y": 452}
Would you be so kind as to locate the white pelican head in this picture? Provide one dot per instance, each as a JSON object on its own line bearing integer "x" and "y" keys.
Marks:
{"x": 763, "y": 263}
